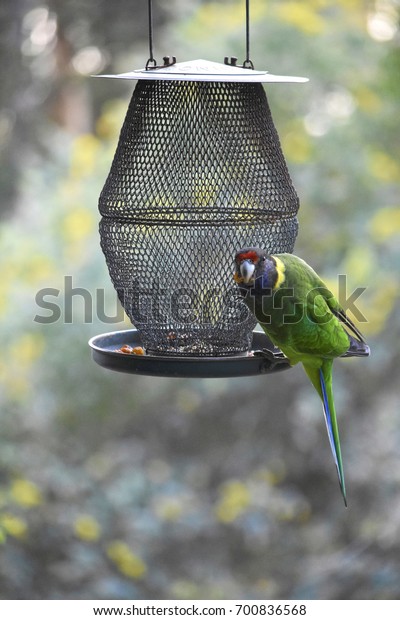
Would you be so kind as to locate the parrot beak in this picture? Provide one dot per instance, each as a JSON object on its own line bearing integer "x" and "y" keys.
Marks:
{"x": 247, "y": 270}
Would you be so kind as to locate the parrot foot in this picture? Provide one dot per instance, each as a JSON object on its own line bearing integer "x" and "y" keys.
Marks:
{"x": 274, "y": 357}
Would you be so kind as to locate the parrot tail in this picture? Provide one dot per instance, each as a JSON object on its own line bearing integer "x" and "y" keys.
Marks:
{"x": 321, "y": 378}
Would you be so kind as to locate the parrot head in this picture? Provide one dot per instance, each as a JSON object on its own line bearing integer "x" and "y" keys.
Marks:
{"x": 249, "y": 265}
{"x": 253, "y": 263}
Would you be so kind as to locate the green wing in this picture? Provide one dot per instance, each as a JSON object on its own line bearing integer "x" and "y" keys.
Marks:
{"x": 338, "y": 311}
{"x": 320, "y": 331}
{"x": 303, "y": 277}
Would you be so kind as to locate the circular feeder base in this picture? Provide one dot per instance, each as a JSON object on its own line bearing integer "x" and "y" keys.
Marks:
{"x": 264, "y": 358}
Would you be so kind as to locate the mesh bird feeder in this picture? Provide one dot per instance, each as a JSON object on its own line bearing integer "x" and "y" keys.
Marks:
{"x": 197, "y": 174}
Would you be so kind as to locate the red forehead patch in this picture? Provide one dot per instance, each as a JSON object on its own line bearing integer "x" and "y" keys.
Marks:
{"x": 253, "y": 256}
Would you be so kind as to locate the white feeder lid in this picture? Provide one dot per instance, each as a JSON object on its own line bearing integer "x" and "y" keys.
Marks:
{"x": 204, "y": 71}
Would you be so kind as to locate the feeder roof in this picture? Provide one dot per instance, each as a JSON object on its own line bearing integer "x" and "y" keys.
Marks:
{"x": 205, "y": 71}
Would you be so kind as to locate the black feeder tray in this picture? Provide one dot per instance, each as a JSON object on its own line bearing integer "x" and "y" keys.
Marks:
{"x": 262, "y": 359}
{"x": 198, "y": 173}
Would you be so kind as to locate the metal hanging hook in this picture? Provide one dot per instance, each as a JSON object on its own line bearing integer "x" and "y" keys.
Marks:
{"x": 152, "y": 63}
{"x": 248, "y": 63}
{"x": 171, "y": 60}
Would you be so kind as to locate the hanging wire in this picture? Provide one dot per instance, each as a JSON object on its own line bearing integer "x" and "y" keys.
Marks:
{"x": 248, "y": 64}
{"x": 151, "y": 61}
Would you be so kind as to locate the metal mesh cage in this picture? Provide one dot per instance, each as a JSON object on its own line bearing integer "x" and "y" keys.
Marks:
{"x": 198, "y": 173}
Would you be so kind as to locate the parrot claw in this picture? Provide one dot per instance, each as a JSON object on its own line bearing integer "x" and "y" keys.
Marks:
{"x": 275, "y": 357}
{"x": 357, "y": 348}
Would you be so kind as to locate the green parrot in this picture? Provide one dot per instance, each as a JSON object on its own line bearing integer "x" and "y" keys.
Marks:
{"x": 304, "y": 320}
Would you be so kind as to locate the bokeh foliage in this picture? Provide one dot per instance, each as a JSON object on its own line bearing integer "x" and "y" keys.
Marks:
{"x": 118, "y": 486}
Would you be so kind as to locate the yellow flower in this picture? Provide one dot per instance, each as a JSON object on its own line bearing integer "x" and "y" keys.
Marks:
{"x": 184, "y": 589}
{"x": 235, "y": 498}
{"x": 367, "y": 100}
{"x": 169, "y": 508}
{"x": 128, "y": 563}
{"x": 12, "y": 525}
{"x": 359, "y": 264}
{"x": 84, "y": 155}
{"x": 385, "y": 224}
{"x": 78, "y": 224}
{"x": 25, "y": 493}
{"x": 384, "y": 167}
{"x": 296, "y": 144}
{"x": 272, "y": 476}
{"x": 109, "y": 124}
{"x": 302, "y": 16}
{"x": 381, "y": 305}
{"x": 87, "y": 528}
{"x": 210, "y": 15}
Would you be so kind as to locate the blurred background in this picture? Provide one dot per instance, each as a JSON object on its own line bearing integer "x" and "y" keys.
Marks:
{"x": 123, "y": 487}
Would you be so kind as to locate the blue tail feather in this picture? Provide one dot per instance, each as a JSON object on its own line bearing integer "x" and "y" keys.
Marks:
{"x": 329, "y": 427}
{"x": 328, "y": 419}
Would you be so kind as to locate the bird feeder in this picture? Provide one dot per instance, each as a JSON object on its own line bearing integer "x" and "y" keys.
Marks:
{"x": 198, "y": 173}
